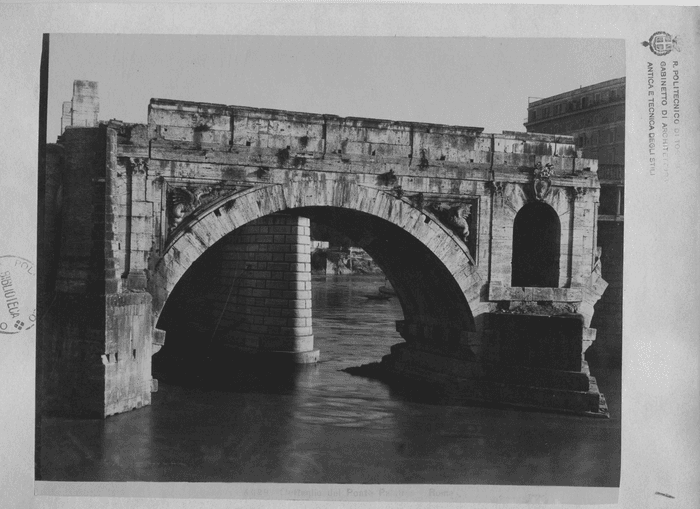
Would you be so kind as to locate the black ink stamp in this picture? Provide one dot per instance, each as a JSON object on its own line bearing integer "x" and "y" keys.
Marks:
{"x": 17, "y": 294}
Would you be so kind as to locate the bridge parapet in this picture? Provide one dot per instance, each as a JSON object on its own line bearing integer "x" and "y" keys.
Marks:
{"x": 219, "y": 134}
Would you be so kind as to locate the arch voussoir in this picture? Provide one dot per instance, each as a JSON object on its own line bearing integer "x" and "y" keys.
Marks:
{"x": 406, "y": 215}
{"x": 187, "y": 248}
{"x": 273, "y": 201}
{"x": 375, "y": 207}
{"x": 248, "y": 206}
{"x": 252, "y": 204}
{"x": 368, "y": 199}
{"x": 209, "y": 230}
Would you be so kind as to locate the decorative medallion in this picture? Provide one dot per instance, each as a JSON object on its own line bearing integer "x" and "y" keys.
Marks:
{"x": 542, "y": 179}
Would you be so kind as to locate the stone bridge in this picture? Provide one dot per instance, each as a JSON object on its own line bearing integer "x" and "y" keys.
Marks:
{"x": 196, "y": 225}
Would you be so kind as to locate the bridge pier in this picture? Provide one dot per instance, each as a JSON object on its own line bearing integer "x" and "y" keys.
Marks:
{"x": 249, "y": 294}
{"x": 95, "y": 339}
{"x": 273, "y": 308}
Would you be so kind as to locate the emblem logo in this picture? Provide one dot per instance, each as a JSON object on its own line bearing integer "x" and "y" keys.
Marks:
{"x": 662, "y": 43}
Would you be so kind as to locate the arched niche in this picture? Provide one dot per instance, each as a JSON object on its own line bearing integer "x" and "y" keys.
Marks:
{"x": 536, "y": 246}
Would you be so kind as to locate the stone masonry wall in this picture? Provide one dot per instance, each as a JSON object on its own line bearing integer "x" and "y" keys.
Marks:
{"x": 238, "y": 145}
{"x": 182, "y": 127}
{"x": 71, "y": 335}
{"x": 49, "y": 242}
{"x": 199, "y": 145}
{"x": 127, "y": 357}
{"x": 82, "y": 203}
{"x": 96, "y": 342}
{"x": 608, "y": 316}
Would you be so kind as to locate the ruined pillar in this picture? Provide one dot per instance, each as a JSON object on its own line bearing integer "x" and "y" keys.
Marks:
{"x": 85, "y": 106}
{"x": 96, "y": 337}
{"x": 66, "y": 116}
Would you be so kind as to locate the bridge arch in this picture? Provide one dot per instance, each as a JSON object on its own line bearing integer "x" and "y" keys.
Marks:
{"x": 428, "y": 265}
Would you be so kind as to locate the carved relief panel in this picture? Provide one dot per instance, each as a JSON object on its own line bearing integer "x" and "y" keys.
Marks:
{"x": 459, "y": 214}
{"x": 182, "y": 197}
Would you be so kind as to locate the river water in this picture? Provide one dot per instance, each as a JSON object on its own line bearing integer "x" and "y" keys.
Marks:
{"x": 321, "y": 425}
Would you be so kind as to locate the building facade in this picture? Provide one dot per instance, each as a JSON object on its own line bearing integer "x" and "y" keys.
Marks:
{"x": 595, "y": 117}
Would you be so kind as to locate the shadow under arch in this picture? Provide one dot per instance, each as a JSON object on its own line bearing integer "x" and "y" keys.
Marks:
{"x": 536, "y": 246}
{"x": 427, "y": 291}
{"x": 435, "y": 282}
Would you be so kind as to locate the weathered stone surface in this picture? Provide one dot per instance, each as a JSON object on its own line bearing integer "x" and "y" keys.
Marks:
{"x": 85, "y": 106}
{"x": 548, "y": 342}
{"x": 128, "y": 350}
{"x": 469, "y": 381}
{"x": 238, "y": 294}
{"x": 395, "y": 186}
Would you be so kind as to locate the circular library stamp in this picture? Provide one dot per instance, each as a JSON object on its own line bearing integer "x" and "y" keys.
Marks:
{"x": 17, "y": 294}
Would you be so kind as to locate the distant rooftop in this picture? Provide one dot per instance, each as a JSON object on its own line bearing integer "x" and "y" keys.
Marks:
{"x": 579, "y": 91}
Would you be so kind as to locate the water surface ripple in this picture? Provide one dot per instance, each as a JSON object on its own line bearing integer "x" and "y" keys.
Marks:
{"x": 322, "y": 425}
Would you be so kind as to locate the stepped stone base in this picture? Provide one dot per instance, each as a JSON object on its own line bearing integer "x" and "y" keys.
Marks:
{"x": 469, "y": 380}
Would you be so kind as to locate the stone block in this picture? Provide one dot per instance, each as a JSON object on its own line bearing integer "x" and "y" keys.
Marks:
{"x": 388, "y": 151}
{"x": 542, "y": 294}
{"x": 297, "y": 294}
{"x": 538, "y": 341}
{"x": 261, "y": 293}
{"x": 276, "y": 285}
{"x": 189, "y": 115}
{"x": 561, "y": 294}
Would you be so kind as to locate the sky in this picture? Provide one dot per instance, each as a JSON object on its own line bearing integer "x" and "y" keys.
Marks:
{"x": 481, "y": 82}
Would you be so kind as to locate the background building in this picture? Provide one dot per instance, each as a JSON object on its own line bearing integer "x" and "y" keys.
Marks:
{"x": 595, "y": 117}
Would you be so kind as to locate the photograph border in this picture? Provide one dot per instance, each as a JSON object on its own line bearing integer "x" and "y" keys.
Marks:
{"x": 660, "y": 360}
